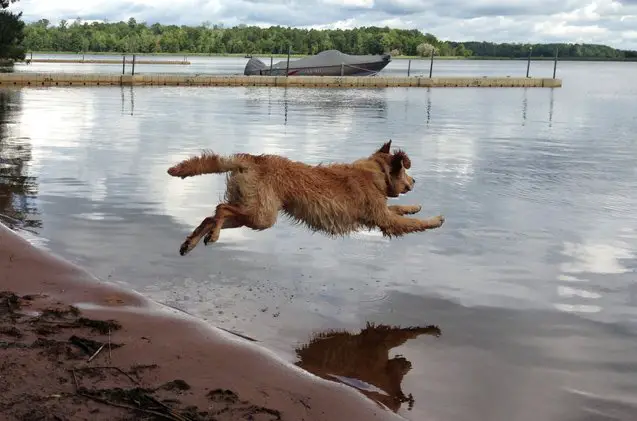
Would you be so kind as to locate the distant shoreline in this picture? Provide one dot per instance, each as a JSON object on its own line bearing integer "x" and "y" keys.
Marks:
{"x": 400, "y": 57}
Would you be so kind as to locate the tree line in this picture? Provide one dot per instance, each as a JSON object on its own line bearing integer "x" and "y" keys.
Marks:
{"x": 131, "y": 36}
{"x": 135, "y": 37}
{"x": 572, "y": 51}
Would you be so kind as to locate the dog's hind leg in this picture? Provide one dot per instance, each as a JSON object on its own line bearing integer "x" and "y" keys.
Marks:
{"x": 405, "y": 209}
{"x": 393, "y": 225}
{"x": 260, "y": 222}
{"x": 226, "y": 216}
{"x": 230, "y": 222}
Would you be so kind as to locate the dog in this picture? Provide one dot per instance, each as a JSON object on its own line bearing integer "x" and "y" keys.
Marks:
{"x": 334, "y": 199}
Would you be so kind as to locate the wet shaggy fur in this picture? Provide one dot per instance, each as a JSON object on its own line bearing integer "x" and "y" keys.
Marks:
{"x": 335, "y": 199}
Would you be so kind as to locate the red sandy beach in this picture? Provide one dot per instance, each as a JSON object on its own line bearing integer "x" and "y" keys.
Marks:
{"x": 147, "y": 361}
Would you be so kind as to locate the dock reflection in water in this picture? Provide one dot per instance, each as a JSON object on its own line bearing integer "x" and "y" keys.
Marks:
{"x": 362, "y": 360}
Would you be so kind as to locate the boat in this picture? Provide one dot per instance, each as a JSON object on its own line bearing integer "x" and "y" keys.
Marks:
{"x": 325, "y": 63}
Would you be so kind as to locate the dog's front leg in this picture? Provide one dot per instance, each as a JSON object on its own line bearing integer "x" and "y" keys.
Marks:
{"x": 405, "y": 209}
{"x": 393, "y": 225}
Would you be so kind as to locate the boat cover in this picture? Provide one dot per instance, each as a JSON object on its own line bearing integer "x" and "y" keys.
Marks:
{"x": 323, "y": 59}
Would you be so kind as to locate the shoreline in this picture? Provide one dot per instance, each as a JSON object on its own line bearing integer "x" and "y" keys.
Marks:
{"x": 144, "y": 357}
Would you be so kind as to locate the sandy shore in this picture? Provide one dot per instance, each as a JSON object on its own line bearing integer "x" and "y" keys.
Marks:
{"x": 74, "y": 347}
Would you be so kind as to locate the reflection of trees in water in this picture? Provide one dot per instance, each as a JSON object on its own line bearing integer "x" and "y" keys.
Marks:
{"x": 16, "y": 187}
{"x": 364, "y": 357}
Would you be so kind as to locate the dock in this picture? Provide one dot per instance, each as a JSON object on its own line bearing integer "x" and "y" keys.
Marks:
{"x": 103, "y": 61}
{"x": 105, "y": 79}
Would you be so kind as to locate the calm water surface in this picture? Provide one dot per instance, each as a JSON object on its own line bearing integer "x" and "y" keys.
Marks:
{"x": 531, "y": 280}
{"x": 236, "y": 65}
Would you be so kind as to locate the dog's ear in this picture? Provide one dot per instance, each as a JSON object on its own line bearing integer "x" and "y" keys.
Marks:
{"x": 385, "y": 148}
{"x": 399, "y": 161}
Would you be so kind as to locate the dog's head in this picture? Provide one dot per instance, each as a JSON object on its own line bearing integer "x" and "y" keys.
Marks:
{"x": 394, "y": 166}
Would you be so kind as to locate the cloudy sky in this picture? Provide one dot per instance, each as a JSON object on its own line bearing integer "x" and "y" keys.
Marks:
{"x": 611, "y": 22}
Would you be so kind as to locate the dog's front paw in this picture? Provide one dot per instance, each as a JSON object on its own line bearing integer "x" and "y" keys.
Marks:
{"x": 414, "y": 209}
{"x": 437, "y": 221}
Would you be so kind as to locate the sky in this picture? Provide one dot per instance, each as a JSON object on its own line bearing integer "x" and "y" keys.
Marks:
{"x": 610, "y": 22}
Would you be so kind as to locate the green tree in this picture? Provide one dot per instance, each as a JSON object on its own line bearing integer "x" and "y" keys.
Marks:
{"x": 461, "y": 51}
{"x": 425, "y": 49}
{"x": 5, "y": 3}
{"x": 207, "y": 38}
{"x": 11, "y": 33}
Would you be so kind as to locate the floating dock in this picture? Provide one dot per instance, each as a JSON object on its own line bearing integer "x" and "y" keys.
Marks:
{"x": 102, "y": 61}
{"x": 83, "y": 79}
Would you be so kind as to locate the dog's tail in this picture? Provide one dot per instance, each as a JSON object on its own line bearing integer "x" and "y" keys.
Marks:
{"x": 206, "y": 163}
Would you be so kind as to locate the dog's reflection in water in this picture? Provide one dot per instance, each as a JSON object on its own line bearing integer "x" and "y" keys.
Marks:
{"x": 362, "y": 360}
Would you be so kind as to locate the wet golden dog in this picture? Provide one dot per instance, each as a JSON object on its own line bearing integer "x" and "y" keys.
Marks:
{"x": 335, "y": 199}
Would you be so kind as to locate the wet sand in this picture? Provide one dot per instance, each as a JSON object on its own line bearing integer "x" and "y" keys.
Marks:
{"x": 146, "y": 359}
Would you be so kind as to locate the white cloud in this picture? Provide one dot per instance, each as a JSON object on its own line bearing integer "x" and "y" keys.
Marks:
{"x": 561, "y": 29}
{"x": 368, "y": 4}
{"x": 610, "y": 22}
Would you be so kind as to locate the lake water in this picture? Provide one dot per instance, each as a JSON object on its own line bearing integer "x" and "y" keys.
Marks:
{"x": 531, "y": 280}
{"x": 236, "y": 65}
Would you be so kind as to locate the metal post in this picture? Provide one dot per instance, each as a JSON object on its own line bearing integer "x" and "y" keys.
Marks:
{"x": 270, "y": 65}
{"x": 555, "y": 63}
{"x": 409, "y": 68}
{"x": 528, "y": 63}
{"x": 431, "y": 65}
{"x": 342, "y": 69}
{"x": 287, "y": 68}
{"x": 133, "y": 71}
{"x": 124, "y": 64}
